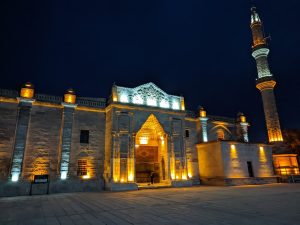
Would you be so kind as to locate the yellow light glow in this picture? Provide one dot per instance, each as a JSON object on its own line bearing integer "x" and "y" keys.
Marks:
{"x": 162, "y": 140}
{"x": 122, "y": 180}
{"x": 177, "y": 177}
{"x": 203, "y": 113}
{"x": 189, "y": 169}
{"x": 70, "y": 98}
{"x": 184, "y": 177}
{"x": 243, "y": 119}
{"x": 130, "y": 169}
{"x": 275, "y": 135}
{"x": 130, "y": 177}
{"x": 182, "y": 103}
{"x": 233, "y": 152}
{"x": 286, "y": 164}
{"x": 114, "y": 93}
{"x": 116, "y": 169}
{"x": 262, "y": 154}
{"x": 283, "y": 172}
{"x": 27, "y": 92}
{"x": 172, "y": 166}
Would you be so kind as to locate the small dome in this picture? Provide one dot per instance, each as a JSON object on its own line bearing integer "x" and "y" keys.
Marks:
{"x": 240, "y": 114}
{"x": 28, "y": 85}
{"x": 70, "y": 91}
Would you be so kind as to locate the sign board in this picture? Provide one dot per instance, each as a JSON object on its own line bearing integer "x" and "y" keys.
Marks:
{"x": 41, "y": 178}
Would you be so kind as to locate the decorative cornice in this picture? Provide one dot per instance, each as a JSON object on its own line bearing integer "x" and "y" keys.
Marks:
{"x": 265, "y": 85}
{"x": 259, "y": 52}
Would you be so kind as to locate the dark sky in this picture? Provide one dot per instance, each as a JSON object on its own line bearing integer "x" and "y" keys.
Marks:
{"x": 200, "y": 49}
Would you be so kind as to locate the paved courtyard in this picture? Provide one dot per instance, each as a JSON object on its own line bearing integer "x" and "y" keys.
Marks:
{"x": 266, "y": 204}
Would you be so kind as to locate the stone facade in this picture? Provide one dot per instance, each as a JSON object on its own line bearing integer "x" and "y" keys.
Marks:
{"x": 234, "y": 163}
{"x": 91, "y": 144}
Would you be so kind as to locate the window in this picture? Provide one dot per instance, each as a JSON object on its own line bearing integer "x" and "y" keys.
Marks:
{"x": 187, "y": 133}
{"x": 84, "y": 136}
{"x": 82, "y": 167}
{"x": 220, "y": 134}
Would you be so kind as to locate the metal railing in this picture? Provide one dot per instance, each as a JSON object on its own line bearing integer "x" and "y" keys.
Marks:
{"x": 8, "y": 93}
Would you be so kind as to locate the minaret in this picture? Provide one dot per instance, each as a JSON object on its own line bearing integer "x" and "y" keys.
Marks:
{"x": 265, "y": 81}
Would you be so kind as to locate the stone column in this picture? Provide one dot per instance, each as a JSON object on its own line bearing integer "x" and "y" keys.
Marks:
{"x": 131, "y": 160}
{"x": 243, "y": 126}
{"x": 66, "y": 139}
{"x": 24, "y": 111}
{"x": 172, "y": 168}
{"x": 203, "y": 122}
{"x": 115, "y": 158}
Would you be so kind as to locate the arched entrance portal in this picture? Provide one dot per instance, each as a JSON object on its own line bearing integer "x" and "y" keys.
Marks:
{"x": 151, "y": 152}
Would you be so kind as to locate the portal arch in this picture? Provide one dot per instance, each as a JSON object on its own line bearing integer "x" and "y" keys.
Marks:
{"x": 151, "y": 154}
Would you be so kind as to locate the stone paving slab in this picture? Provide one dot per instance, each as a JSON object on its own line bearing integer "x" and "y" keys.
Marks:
{"x": 246, "y": 205}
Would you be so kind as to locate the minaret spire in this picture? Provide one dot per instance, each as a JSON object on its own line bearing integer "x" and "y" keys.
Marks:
{"x": 265, "y": 81}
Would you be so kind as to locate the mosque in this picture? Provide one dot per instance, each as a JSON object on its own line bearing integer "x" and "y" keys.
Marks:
{"x": 136, "y": 137}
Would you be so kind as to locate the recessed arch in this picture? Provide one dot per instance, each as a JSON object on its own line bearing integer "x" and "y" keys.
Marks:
{"x": 151, "y": 152}
{"x": 216, "y": 131}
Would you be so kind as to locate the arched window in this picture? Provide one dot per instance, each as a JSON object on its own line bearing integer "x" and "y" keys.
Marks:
{"x": 220, "y": 134}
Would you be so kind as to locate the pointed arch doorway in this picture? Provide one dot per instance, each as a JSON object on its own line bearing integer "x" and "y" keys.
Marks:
{"x": 151, "y": 153}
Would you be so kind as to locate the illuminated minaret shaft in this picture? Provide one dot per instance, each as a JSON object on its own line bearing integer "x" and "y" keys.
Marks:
{"x": 265, "y": 81}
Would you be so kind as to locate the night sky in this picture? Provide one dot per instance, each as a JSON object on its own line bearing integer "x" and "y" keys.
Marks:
{"x": 199, "y": 49}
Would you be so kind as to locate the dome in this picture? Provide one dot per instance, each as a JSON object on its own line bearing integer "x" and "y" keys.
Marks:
{"x": 28, "y": 85}
{"x": 70, "y": 91}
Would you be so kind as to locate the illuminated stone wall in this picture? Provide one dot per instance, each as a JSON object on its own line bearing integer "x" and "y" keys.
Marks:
{"x": 8, "y": 120}
{"x": 193, "y": 127}
{"x": 210, "y": 160}
{"x": 223, "y": 160}
{"x": 93, "y": 152}
{"x": 41, "y": 155}
{"x": 44, "y": 137}
{"x": 235, "y": 160}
